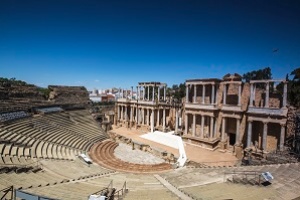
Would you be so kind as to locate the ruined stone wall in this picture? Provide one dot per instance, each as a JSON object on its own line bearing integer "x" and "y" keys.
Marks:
{"x": 69, "y": 94}
{"x": 290, "y": 124}
{"x": 19, "y": 97}
{"x": 232, "y": 94}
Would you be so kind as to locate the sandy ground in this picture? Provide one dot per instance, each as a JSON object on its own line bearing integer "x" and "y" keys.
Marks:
{"x": 194, "y": 153}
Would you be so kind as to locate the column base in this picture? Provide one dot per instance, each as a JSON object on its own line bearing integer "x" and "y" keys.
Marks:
{"x": 223, "y": 145}
{"x": 239, "y": 152}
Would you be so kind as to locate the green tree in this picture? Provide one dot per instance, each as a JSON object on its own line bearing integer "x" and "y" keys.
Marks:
{"x": 294, "y": 88}
{"x": 261, "y": 74}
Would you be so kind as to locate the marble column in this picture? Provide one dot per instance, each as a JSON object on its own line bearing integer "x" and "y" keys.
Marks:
{"x": 195, "y": 93}
{"x": 186, "y": 123}
{"x": 137, "y": 92}
{"x": 143, "y": 93}
{"x": 202, "y": 126}
{"x": 148, "y": 95}
{"x": 284, "y": 94}
{"x": 131, "y": 92}
{"x": 282, "y": 136}
{"x": 122, "y": 114}
{"x": 164, "y": 93}
{"x": 147, "y": 120}
{"x": 131, "y": 113}
{"x": 237, "y": 132}
{"x": 211, "y": 127}
{"x": 240, "y": 95}
{"x": 212, "y": 93}
{"x": 153, "y": 93}
{"x": 249, "y": 133}
{"x": 194, "y": 125}
{"x": 152, "y": 121}
{"x": 223, "y": 129}
{"x": 203, "y": 94}
{"x": 187, "y": 94}
{"x": 215, "y": 129}
{"x": 267, "y": 95}
{"x": 164, "y": 119}
{"x": 158, "y": 93}
{"x": 137, "y": 115}
{"x": 176, "y": 120}
{"x": 157, "y": 123}
{"x": 265, "y": 134}
{"x": 143, "y": 116}
{"x": 224, "y": 94}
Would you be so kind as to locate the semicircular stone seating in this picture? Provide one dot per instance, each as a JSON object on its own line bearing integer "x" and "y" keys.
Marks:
{"x": 103, "y": 154}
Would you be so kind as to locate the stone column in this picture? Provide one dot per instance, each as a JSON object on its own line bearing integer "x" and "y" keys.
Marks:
{"x": 215, "y": 129}
{"x": 203, "y": 94}
{"x": 267, "y": 95}
{"x": 186, "y": 123}
{"x": 137, "y": 116}
{"x": 224, "y": 94}
{"x": 126, "y": 114}
{"x": 143, "y": 116}
{"x": 148, "y": 95}
{"x": 223, "y": 129}
{"x": 237, "y": 132}
{"x": 164, "y": 93}
{"x": 147, "y": 120}
{"x": 164, "y": 119}
{"x": 202, "y": 126}
{"x": 158, "y": 93}
{"x": 282, "y": 136}
{"x": 213, "y": 93}
{"x": 240, "y": 95}
{"x": 143, "y": 93}
{"x": 152, "y": 121}
{"x": 194, "y": 125}
{"x": 131, "y": 113}
{"x": 251, "y": 95}
{"x": 131, "y": 92}
{"x": 176, "y": 120}
{"x": 137, "y": 92}
{"x": 157, "y": 123}
{"x": 195, "y": 93}
{"x": 122, "y": 114}
{"x": 249, "y": 133}
{"x": 211, "y": 127}
{"x": 284, "y": 94}
{"x": 153, "y": 93}
{"x": 119, "y": 113}
{"x": 216, "y": 93}
{"x": 264, "y": 139}
{"x": 187, "y": 93}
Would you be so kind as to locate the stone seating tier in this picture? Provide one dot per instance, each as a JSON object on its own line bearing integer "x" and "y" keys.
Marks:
{"x": 103, "y": 154}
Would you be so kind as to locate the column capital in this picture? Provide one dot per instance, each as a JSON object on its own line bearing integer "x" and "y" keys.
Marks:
{"x": 282, "y": 124}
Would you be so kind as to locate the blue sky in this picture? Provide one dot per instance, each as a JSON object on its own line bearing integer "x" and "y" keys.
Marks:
{"x": 102, "y": 44}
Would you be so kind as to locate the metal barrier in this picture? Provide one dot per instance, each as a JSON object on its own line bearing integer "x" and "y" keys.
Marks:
{"x": 245, "y": 176}
{"x": 6, "y": 192}
{"x": 30, "y": 196}
{"x": 120, "y": 193}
